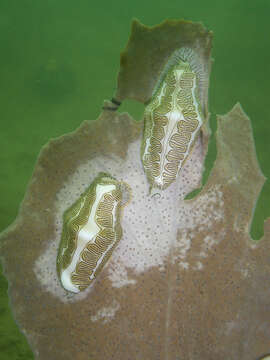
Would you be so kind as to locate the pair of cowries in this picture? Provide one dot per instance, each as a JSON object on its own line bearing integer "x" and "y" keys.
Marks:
{"x": 172, "y": 120}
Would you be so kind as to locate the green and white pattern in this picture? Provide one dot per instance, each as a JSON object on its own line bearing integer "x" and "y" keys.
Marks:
{"x": 91, "y": 230}
{"x": 172, "y": 118}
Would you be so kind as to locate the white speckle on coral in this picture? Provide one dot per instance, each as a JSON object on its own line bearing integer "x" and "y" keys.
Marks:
{"x": 119, "y": 276}
{"x": 199, "y": 215}
{"x": 198, "y": 266}
{"x": 184, "y": 265}
{"x": 150, "y": 223}
{"x": 106, "y": 314}
{"x": 207, "y": 244}
{"x": 245, "y": 273}
{"x": 182, "y": 244}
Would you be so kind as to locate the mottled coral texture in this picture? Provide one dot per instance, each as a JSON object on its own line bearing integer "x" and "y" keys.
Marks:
{"x": 186, "y": 281}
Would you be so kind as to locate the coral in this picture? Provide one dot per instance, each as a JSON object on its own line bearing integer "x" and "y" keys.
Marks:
{"x": 186, "y": 281}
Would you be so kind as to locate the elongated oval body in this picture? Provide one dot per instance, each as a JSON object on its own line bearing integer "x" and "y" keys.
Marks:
{"x": 91, "y": 230}
{"x": 172, "y": 118}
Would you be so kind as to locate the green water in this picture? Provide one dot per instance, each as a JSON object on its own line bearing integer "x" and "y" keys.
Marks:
{"x": 59, "y": 59}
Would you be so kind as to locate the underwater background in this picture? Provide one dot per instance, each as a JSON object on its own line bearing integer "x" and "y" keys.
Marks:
{"x": 59, "y": 60}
